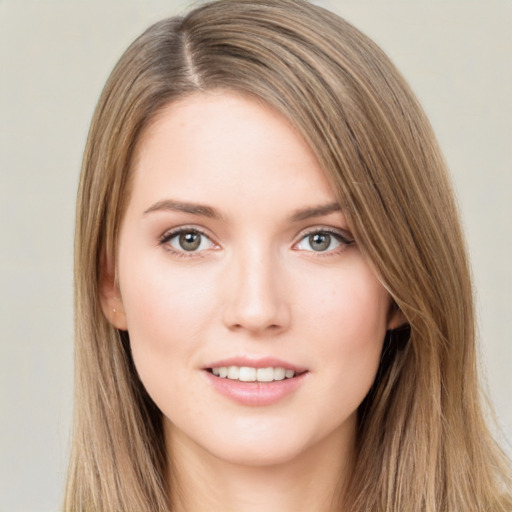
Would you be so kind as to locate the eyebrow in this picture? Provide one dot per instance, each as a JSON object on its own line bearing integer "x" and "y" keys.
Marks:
{"x": 315, "y": 211}
{"x": 207, "y": 211}
{"x": 185, "y": 207}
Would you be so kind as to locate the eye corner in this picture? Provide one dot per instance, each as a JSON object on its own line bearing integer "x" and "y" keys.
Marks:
{"x": 187, "y": 241}
{"x": 330, "y": 241}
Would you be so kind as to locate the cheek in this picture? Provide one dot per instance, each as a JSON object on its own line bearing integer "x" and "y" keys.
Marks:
{"x": 157, "y": 295}
{"x": 162, "y": 309}
{"x": 351, "y": 307}
{"x": 349, "y": 332}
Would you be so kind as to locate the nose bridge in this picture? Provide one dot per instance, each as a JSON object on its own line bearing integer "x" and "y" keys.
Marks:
{"x": 257, "y": 300}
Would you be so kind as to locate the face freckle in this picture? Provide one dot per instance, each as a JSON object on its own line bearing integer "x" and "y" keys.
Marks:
{"x": 217, "y": 266}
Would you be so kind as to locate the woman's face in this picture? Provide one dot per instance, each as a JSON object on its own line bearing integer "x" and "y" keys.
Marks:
{"x": 256, "y": 325}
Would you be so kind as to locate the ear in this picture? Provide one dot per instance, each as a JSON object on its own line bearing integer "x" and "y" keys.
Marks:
{"x": 110, "y": 295}
{"x": 396, "y": 318}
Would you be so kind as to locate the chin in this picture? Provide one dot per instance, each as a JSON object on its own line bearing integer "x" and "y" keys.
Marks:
{"x": 272, "y": 443}
{"x": 261, "y": 453}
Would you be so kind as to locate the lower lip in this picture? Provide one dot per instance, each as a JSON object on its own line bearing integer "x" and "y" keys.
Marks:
{"x": 255, "y": 393}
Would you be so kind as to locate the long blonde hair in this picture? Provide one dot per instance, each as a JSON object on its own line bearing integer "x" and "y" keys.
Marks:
{"x": 422, "y": 444}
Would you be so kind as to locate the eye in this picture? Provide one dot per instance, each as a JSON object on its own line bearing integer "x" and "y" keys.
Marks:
{"x": 187, "y": 240}
{"x": 323, "y": 241}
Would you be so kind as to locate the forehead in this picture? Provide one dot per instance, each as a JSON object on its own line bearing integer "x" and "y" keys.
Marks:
{"x": 219, "y": 146}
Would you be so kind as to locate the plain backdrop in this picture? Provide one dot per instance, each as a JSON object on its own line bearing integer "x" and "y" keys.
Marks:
{"x": 55, "y": 56}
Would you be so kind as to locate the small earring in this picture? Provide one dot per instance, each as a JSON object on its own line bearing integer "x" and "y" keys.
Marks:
{"x": 114, "y": 310}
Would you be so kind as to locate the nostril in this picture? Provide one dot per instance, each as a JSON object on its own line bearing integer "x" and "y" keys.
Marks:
{"x": 256, "y": 305}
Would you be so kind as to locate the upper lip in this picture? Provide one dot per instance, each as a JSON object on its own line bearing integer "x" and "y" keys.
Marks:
{"x": 259, "y": 362}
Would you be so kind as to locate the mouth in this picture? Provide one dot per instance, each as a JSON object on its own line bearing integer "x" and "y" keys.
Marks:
{"x": 253, "y": 381}
{"x": 252, "y": 374}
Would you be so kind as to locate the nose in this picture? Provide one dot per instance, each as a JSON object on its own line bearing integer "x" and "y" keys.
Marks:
{"x": 257, "y": 296}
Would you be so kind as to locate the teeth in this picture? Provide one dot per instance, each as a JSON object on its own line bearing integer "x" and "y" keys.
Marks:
{"x": 265, "y": 374}
{"x": 233, "y": 372}
{"x": 248, "y": 374}
{"x": 279, "y": 373}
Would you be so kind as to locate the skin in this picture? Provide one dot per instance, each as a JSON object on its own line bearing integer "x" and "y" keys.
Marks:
{"x": 255, "y": 287}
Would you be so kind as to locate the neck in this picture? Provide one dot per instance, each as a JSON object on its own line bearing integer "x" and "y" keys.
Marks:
{"x": 312, "y": 481}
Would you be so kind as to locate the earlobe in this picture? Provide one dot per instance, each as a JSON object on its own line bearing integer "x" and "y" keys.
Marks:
{"x": 396, "y": 318}
{"x": 116, "y": 315}
{"x": 110, "y": 295}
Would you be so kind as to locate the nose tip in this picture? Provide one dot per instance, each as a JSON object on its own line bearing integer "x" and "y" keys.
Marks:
{"x": 255, "y": 320}
{"x": 257, "y": 302}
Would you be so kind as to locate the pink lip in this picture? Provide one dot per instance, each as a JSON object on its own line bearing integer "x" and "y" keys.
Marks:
{"x": 264, "y": 362}
{"x": 255, "y": 393}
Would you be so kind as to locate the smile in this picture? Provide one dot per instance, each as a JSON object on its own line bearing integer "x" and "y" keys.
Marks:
{"x": 254, "y": 381}
{"x": 250, "y": 374}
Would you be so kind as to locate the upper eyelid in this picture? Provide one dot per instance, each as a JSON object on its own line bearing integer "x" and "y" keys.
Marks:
{"x": 343, "y": 233}
{"x": 165, "y": 239}
{"x": 344, "y": 239}
{"x": 172, "y": 232}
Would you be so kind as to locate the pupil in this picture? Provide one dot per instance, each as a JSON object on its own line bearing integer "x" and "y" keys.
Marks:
{"x": 320, "y": 241}
{"x": 190, "y": 241}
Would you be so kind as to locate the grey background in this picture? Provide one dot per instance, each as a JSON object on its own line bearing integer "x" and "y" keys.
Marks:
{"x": 54, "y": 58}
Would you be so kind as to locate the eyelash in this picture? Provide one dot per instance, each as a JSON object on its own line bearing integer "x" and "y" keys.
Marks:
{"x": 344, "y": 240}
{"x": 169, "y": 235}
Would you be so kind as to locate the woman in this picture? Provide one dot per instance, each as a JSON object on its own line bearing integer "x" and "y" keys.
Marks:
{"x": 274, "y": 308}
